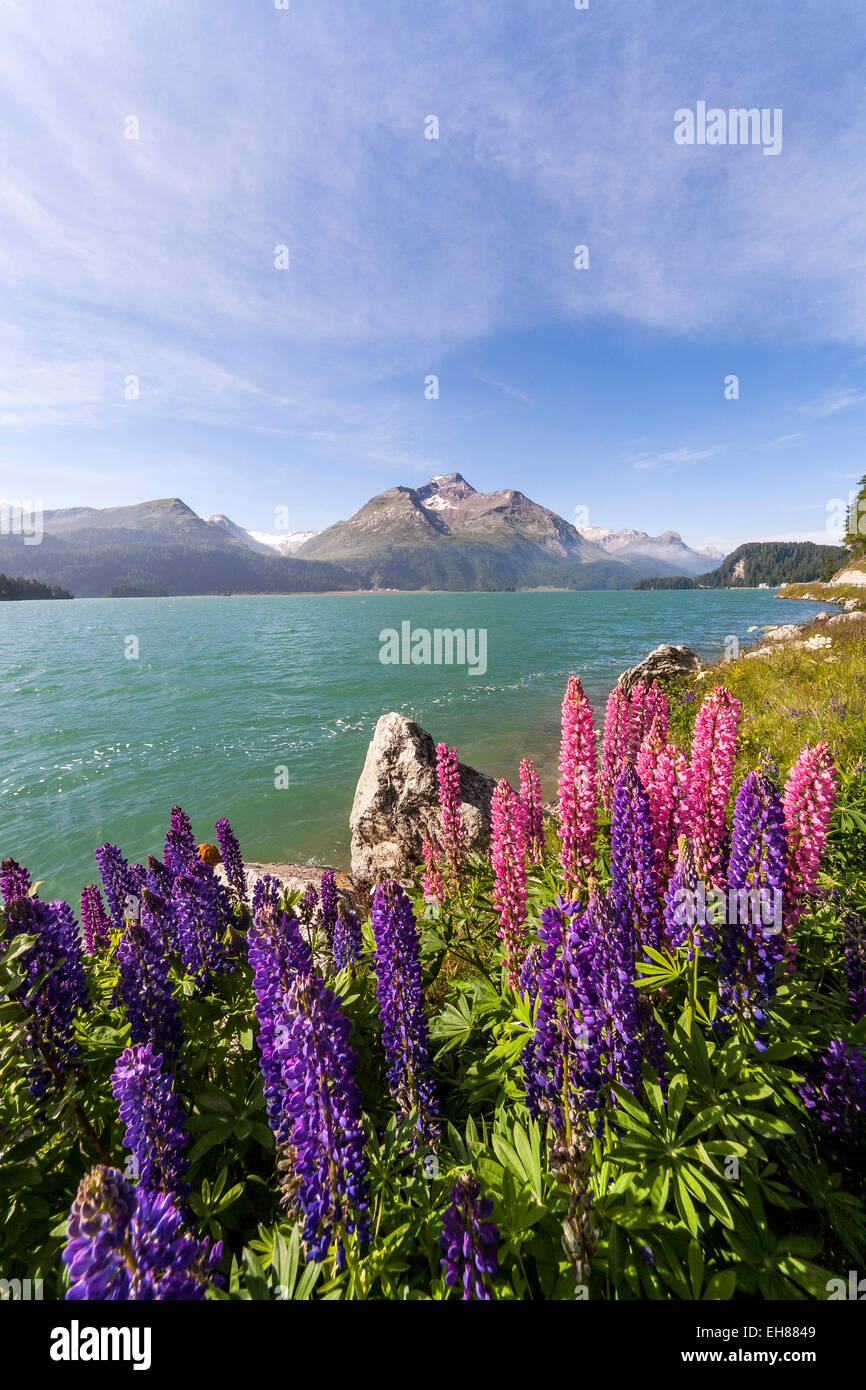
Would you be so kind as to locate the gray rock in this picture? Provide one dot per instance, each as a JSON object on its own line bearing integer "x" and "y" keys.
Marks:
{"x": 296, "y": 877}
{"x": 846, "y": 618}
{"x": 397, "y": 802}
{"x": 661, "y": 664}
{"x": 782, "y": 633}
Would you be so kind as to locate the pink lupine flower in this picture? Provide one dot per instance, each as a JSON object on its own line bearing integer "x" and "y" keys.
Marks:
{"x": 648, "y": 705}
{"x": 637, "y": 718}
{"x": 578, "y": 783}
{"x": 448, "y": 773}
{"x": 508, "y": 856}
{"x": 656, "y": 707}
{"x": 530, "y": 796}
{"x": 810, "y": 792}
{"x": 663, "y": 773}
{"x": 614, "y": 751}
{"x": 710, "y": 776}
{"x": 434, "y": 888}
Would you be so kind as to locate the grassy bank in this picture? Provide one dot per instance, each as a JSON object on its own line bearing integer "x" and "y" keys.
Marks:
{"x": 826, "y": 593}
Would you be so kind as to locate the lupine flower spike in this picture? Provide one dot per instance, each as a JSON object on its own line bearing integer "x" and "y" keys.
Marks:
{"x": 664, "y": 776}
{"x": 150, "y": 1108}
{"x": 55, "y": 986}
{"x": 330, "y": 900}
{"x": 530, "y": 796}
{"x": 434, "y": 886}
{"x": 348, "y": 944}
{"x": 752, "y": 944}
{"x": 710, "y": 778}
{"x": 577, "y": 784}
{"x": 95, "y": 921}
{"x": 508, "y": 856}
{"x": 615, "y": 745}
{"x": 448, "y": 777}
{"x": 319, "y": 1135}
{"x": 810, "y": 792}
{"x": 469, "y": 1239}
{"x": 635, "y": 884}
{"x": 405, "y": 1036}
{"x": 230, "y": 852}
{"x": 127, "y": 1244}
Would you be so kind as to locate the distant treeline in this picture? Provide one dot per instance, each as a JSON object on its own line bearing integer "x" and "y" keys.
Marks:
{"x": 676, "y": 581}
{"x": 29, "y": 588}
{"x": 762, "y": 562}
{"x": 94, "y": 568}
{"x": 774, "y": 562}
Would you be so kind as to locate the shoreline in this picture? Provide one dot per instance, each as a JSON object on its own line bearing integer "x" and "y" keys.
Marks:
{"x": 298, "y": 874}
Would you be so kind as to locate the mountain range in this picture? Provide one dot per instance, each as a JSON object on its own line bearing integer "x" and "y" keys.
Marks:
{"x": 443, "y": 535}
{"x": 636, "y": 547}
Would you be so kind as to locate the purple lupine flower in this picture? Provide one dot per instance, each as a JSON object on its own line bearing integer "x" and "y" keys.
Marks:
{"x": 128, "y": 1244}
{"x": 839, "y": 1097}
{"x": 55, "y": 988}
{"x": 179, "y": 859}
{"x": 277, "y": 952}
{"x": 120, "y": 886}
{"x": 565, "y": 993}
{"x": 55, "y": 985}
{"x": 330, "y": 902}
{"x": 635, "y": 887}
{"x": 320, "y": 1130}
{"x": 145, "y": 989}
{"x": 687, "y": 922}
{"x": 95, "y": 921}
{"x": 589, "y": 1031}
{"x": 158, "y": 915}
{"x": 160, "y": 879}
{"x": 14, "y": 881}
{"x": 405, "y": 1035}
{"x": 182, "y": 826}
{"x": 181, "y": 850}
{"x": 308, "y": 904}
{"x": 469, "y": 1239}
{"x": 751, "y": 949}
{"x": 202, "y": 911}
{"x": 528, "y": 982}
{"x": 230, "y": 852}
{"x": 150, "y": 1108}
{"x": 348, "y": 943}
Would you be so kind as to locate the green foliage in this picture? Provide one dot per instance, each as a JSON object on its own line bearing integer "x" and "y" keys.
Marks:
{"x": 772, "y": 562}
{"x": 29, "y": 588}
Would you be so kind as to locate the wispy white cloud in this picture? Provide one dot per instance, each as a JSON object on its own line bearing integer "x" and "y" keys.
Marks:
{"x": 155, "y": 256}
{"x": 832, "y": 404}
{"x": 501, "y": 386}
{"x": 673, "y": 458}
{"x": 782, "y": 442}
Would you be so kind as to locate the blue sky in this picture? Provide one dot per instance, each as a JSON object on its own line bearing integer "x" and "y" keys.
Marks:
{"x": 262, "y": 388}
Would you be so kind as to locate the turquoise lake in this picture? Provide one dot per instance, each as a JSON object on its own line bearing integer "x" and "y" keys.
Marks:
{"x": 227, "y": 691}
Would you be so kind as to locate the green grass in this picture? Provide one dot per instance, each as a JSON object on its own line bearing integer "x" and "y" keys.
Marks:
{"x": 827, "y": 593}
